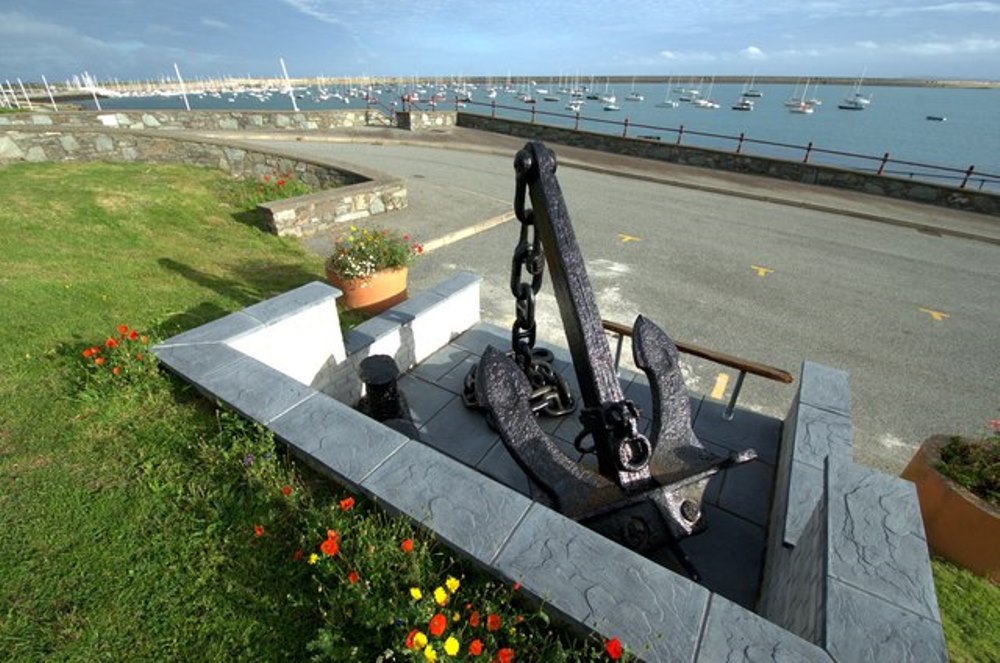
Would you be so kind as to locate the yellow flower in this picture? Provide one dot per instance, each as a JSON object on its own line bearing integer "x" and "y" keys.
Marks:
{"x": 455, "y": 617}
{"x": 451, "y": 646}
{"x": 313, "y": 558}
{"x": 420, "y": 640}
{"x": 452, "y": 584}
{"x": 416, "y": 593}
{"x": 440, "y": 596}
{"x": 430, "y": 654}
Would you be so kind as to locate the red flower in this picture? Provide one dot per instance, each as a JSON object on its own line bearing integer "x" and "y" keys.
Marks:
{"x": 111, "y": 343}
{"x": 409, "y": 638}
{"x": 116, "y": 370}
{"x": 286, "y": 490}
{"x": 281, "y": 182}
{"x": 475, "y": 648}
{"x": 258, "y": 530}
{"x": 493, "y": 623}
{"x": 474, "y": 619}
{"x": 122, "y": 329}
{"x": 437, "y": 624}
{"x": 353, "y": 577}
{"x": 516, "y": 586}
{"x": 133, "y": 335}
{"x": 297, "y": 555}
{"x": 267, "y": 178}
{"x": 420, "y": 248}
{"x": 407, "y": 545}
{"x": 331, "y": 546}
{"x": 505, "y": 655}
{"x": 99, "y": 361}
{"x": 347, "y": 504}
{"x": 614, "y": 648}
{"x": 88, "y": 352}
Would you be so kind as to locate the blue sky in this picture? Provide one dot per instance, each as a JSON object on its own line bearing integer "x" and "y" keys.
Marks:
{"x": 129, "y": 39}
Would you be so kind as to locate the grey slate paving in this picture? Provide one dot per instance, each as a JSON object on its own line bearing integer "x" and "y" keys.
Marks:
{"x": 255, "y": 390}
{"x": 195, "y": 362}
{"x": 437, "y": 365}
{"x": 804, "y": 491}
{"x": 456, "y": 284}
{"x": 862, "y": 627}
{"x": 454, "y": 380}
{"x": 423, "y": 398}
{"x": 746, "y": 430}
{"x": 820, "y": 433}
{"x": 734, "y": 634}
{"x": 331, "y": 434}
{"x": 603, "y": 585}
{"x": 864, "y": 505}
{"x": 476, "y": 339}
{"x": 368, "y": 332}
{"x": 459, "y": 432}
{"x": 500, "y": 465}
{"x": 293, "y": 301}
{"x": 217, "y": 331}
{"x": 474, "y": 515}
{"x": 747, "y": 491}
{"x": 825, "y": 387}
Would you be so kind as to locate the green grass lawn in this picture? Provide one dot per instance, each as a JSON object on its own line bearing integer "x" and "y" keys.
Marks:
{"x": 139, "y": 523}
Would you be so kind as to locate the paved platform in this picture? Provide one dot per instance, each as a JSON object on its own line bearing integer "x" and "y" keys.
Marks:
{"x": 729, "y": 554}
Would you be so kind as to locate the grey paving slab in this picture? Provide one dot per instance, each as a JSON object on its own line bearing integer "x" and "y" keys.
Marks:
{"x": 819, "y": 433}
{"x": 415, "y": 305}
{"x": 735, "y": 634}
{"x": 596, "y": 582}
{"x": 877, "y": 540}
{"x": 863, "y": 627}
{"x": 459, "y": 432}
{"x": 729, "y": 554}
{"x": 434, "y": 367}
{"x": 825, "y": 387}
{"x": 747, "y": 491}
{"x": 746, "y": 430}
{"x": 500, "y": 465}
{"x": 474, "y": 514}
{"x": 481, "y": 335}
{"x": 456, "y": 284}
{"x": 293, "y": 301}
{"x": 423, "y": 398}
{"x": 195, "y": 362}
{"x": 333, "y": 435}
{"x": 217, "y": 331}
{"x": 454, "y": 380}
{"x": 255, "y": 390}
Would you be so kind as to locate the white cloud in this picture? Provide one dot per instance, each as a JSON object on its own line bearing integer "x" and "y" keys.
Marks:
{"x": 753, "y": 53}
{"x": 214, "y": 23}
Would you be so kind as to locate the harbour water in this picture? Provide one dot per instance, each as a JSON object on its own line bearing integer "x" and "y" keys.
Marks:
{"x": 895, "y": 122}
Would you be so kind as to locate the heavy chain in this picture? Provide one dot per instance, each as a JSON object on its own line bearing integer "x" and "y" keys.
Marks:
{"x": 550, "y": 393}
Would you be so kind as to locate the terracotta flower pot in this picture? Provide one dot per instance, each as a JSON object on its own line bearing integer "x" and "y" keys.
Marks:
{"x": 378, "y": 292}
{"x": 960, "y": 526}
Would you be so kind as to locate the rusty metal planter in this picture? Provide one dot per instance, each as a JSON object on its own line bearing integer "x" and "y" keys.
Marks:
{"x": 960, "y": 526}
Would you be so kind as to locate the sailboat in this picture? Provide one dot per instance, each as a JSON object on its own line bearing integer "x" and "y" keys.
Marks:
{"x": 633, "y": 95}
{"x": 750, "y": 91}
{"x": 667, "y": 101}
{"x": 856, "y": 101}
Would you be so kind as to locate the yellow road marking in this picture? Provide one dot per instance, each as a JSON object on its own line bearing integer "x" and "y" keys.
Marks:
{"x": 937, "y": 315}
{"x": 719, "y": 389}
{"x": 628, "y": 238}
{"x": 761, "y": 271}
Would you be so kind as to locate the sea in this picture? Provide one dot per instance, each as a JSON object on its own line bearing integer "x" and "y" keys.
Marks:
{"x": 948, "y": 129}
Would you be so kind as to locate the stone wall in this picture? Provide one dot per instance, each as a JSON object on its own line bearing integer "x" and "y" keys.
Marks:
{"x": 841, "y": 178}
{"x": 347, "y": 192}
{"x": 847, "y": 562}
{"x": 202, "y": 120}
{"x": 420, "y": 120}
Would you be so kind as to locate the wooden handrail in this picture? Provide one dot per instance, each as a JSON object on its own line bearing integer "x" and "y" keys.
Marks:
{"x": 763, "y": 370}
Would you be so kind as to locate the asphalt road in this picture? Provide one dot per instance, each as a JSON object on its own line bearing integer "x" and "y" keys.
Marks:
{"x": 913, "y": 317}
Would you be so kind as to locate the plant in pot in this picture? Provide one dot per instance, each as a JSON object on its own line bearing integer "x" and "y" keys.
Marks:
{"x": 369, "y": 266}
{"x": 958, "y": 482}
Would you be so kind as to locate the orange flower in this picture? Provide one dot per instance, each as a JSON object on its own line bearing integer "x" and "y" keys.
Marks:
{"x": 116, "y": 370}
{"x": 474, "y": 619}
{"x": 133, "y": 335}
{"x": 347, "y": 504}
{"x": 493, "y": 623}
{"x": 99, "y": 361}
{"x": 281, "y": 182}
{"x": 331, "y": 546}
{"x": 286, "y": 490}
{"x": 516, "y": 586}
{"x": 475, "y": 648}
{"x": 353, "y": 577}
{"x": 407, "y": 545}
{"x": 122, "y": 329}
{"x": 111, "y": 343}
{"x": 409, "y": 638}
{"x": 505, "y": 655}
{"x": 437, "y": 624}
{"x": 614, "y": 648}
{"x": 258, "y": 530}
{"x": 88, "y": 352}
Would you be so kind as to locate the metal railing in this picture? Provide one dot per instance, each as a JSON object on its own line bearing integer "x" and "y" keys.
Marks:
{"x": 879, "y": 165}
{"x": 744, "y": 366}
